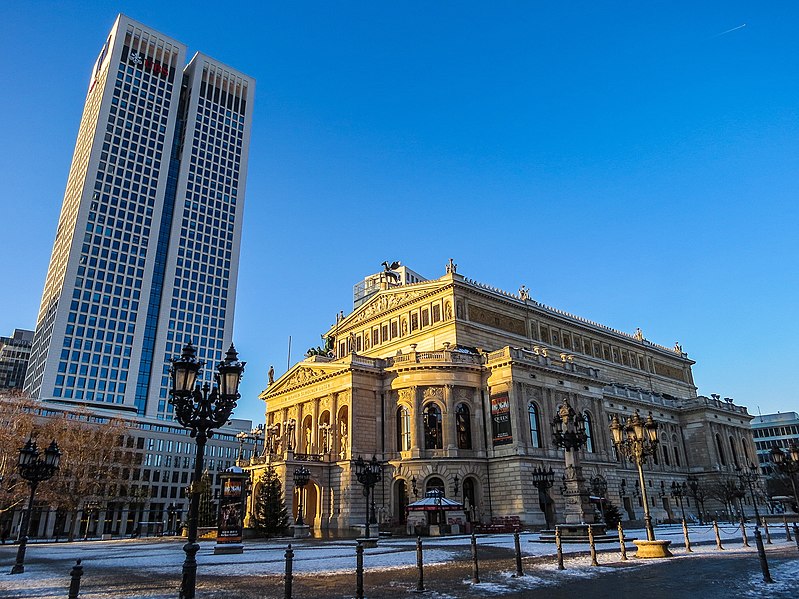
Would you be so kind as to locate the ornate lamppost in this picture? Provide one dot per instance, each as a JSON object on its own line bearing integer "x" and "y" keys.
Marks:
{"x": 749, "y": 477}
{"x": 600, "y": 486}
{"x": 568, "y": 432}
{"x": 301, "y": 477}
{"x": 698, "y": 493}
{"x": 201, "y": 409}
{"x": 543, "y": 480}
{"x": 678, "y": 491}
{"x": 788, "y": 463}
{"x": 369, "y": 474}
{"x": 171, "y": 524}
{"x": 637, "y": 439}
{"x": 33, "y": 468}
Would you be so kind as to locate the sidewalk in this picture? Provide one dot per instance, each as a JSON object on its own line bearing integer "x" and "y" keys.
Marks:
{"x": 151, "y": 568}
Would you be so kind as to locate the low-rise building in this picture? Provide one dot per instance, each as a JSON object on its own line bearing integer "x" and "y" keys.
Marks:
{"x": 15, "y": 353}
{"x": 453, "y": 384}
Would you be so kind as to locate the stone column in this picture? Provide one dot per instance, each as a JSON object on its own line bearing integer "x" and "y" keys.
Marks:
{"x": 417, "y": 430}
{"x": 450, "y": 440}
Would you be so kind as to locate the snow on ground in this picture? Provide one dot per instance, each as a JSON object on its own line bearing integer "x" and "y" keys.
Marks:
{"x": 164, "y": 556}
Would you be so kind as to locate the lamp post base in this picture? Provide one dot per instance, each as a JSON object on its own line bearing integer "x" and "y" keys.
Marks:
{"x": 649, "y": 549}
{"x": 301, "y": 531}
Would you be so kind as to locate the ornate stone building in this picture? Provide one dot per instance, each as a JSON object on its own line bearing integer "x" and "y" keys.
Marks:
{"x": 453, "y": 384}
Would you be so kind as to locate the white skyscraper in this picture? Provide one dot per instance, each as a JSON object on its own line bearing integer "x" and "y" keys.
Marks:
{"x": 146, "y": 253}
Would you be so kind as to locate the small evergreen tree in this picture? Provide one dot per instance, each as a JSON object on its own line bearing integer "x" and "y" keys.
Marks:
{"x": 207, "y": 513}
{"x": 270, "y": 513}
{"x": 612, "y": 516}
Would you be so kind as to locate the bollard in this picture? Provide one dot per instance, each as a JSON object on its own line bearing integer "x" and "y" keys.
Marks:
{"x": 787, "y": 530}
{"x": 761, "y": 553}
{"x": 419, "y": 565}
{"x": 687, "y": 539}
{"x": 74, "y": 583}
{"x": 289, "y": 576}
{"x": 718, "y": 536}
{"x": 359, "y": 571}
{"x": 796, "y": 534}
{"x": 768, "y": 534}
{"x": 559, "y": 547}
{"x": 592, "y": 545}
{"x": 622, "y": 546}
{"x": 743, "y": 533}
{"x": 475, "y": 568}
{"x": 519, "y": 571}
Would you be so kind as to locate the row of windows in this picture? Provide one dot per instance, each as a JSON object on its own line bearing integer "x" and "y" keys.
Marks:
{"x": 777, "y": 431}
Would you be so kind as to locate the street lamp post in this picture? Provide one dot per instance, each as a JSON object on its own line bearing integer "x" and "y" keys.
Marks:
{"x": 636, "y": 439}
{"x": 543, "y": 479}
{"x": 600, "y": 486}
{"x": 201, "y": 409}
{"x": 568, "y": 432}
{"x": 171, "y": 524}
{"x": 678, "y": 491}
{"x": 749, "y": 476}
{"x": 788, "y": 462}
{"x": 33, "y": 468}
{"x": 301, "y": 477}
{"x": 369, "y": 474}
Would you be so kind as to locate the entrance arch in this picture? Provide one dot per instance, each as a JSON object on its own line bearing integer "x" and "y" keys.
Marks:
{"x": 310, "y": 504}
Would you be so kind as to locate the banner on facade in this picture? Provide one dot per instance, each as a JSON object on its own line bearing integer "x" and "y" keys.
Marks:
{"x": 230, "y": 517}
{"x": 500, "y": 419}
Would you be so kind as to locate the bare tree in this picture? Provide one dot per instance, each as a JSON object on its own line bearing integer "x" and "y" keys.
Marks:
{"x": 16, "y": 425}
{"x": 728, "y": 492}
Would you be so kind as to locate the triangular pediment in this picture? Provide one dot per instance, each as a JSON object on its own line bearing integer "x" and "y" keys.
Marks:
{"x": 388, "y": 300}
{"x": 303, "y": 373}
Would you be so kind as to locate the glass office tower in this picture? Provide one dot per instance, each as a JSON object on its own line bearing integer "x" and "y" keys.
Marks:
{"x": 146, "y": 252}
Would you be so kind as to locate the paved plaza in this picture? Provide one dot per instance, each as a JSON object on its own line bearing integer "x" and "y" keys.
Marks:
{"x": 150, "y": 568}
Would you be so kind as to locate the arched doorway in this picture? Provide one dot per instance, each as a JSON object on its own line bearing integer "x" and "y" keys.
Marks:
{"x": 310, "y": 504}
{"x": 470, "y": 498}
{"x": 400, "y": 501}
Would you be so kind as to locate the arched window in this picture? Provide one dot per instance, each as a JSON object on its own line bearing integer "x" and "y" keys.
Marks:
{"x": 720, "y": 449}
{"x": 535, "y": 425}
{"x": 403, "y": 429}
{"x": 433, "y": 438}
{"x": 677, "y": 457}
{"x": 589, "y": 433}
{"x": 469, "y": 497}
{"x": 745, "y": 451}
{"x": 666, "y": 459}
{"x": 463, "y": 426}
{"x": 733, "y": 452}
{"x": 325, "y": 437}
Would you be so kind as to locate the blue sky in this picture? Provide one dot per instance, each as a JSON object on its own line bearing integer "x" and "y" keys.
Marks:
{"x": 629, "y": 162}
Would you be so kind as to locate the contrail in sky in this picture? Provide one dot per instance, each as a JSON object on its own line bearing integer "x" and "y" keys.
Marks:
{"x": 729, "y": 31}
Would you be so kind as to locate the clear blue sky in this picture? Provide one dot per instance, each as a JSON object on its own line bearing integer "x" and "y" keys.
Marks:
{"x": 628, "y": 161}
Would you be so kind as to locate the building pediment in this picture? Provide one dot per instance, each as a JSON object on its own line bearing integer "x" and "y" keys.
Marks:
{"x": 388, "y": 300}
{"x": 301, "y": 374}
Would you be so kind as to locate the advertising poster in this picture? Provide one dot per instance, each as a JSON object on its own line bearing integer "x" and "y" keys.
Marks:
{"x": 500, "y": 419}
{"x": 230, "y": 516}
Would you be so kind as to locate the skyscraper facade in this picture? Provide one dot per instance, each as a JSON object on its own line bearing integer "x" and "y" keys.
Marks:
{"x": 146, "y": 252}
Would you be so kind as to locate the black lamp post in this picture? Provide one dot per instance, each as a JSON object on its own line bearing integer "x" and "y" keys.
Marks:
{"x": 33, "y": 468}
{"x": 749, "y": 476}
{"x": 301, "y": 477}
{"x": 600, "y": 486}
{"x": 788, "y": 463}
{"x": 568, "y": 432}
{"x": 201, "y": 409}
{"x": 543, "y": 479}
{"x": 678, "y": 491}
{"x": 369, "y": 474}
{"x": 698, "y": 493}
{"x": 636, "y": 439}
{"x": 171, "y": 524}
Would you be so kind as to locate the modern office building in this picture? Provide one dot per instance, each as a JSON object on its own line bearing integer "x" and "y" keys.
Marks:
{"x": 774, "y": 430}
{"x": 15, "y": 352}
{"x": 155, "y": 479}
{"x": 147, "y": 247}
